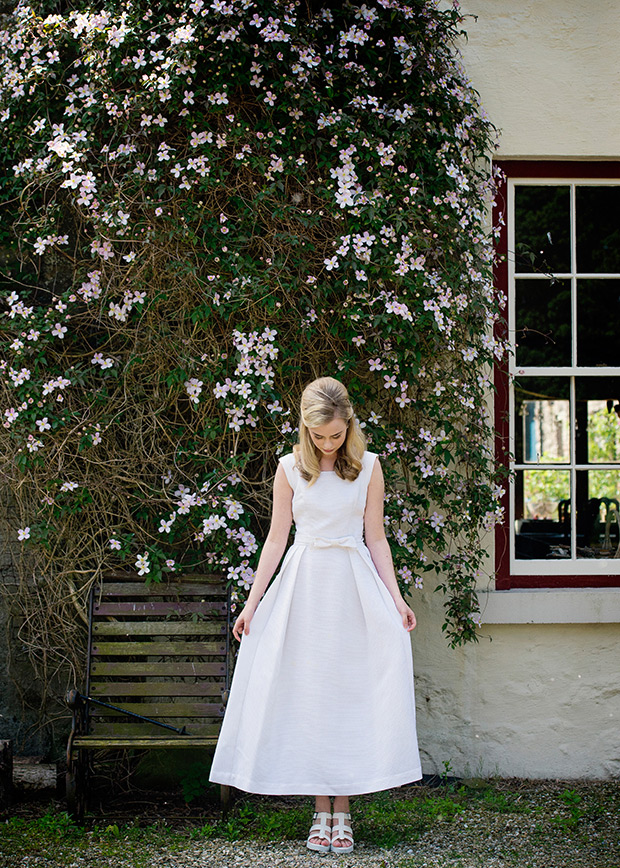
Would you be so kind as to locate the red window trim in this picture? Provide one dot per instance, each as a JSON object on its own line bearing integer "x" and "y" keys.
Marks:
{"x": 530, "y": 169}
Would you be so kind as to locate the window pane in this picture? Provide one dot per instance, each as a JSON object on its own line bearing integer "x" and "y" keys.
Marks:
{"x": 598, "y": 229}
{"x": 598, "y": 420}
{"x": 543, "y": 322}
{"x": 598, "y": 322}
{"x": 542, "y": 420}
{"x": 542, "y": 229}
{"x": 598, "y": 493}
{"x": 542, "y": 514}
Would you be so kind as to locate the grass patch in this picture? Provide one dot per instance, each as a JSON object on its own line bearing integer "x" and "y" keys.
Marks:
{"x": 263, "y": 821}
{"x": 56, "y": 840}
{"x": 387, "y": 820}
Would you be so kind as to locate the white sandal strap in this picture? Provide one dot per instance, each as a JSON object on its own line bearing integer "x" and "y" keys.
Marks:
{"x": 321, "y": 829}
{"x": 341, "y": 827}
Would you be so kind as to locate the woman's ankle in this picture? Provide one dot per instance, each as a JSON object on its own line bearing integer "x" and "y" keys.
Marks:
{"x": 341, "y": 805}
{"x": 322, "y": 804}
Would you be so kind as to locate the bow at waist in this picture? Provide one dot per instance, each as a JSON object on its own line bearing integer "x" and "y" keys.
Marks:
{"x": 323, "y": 542}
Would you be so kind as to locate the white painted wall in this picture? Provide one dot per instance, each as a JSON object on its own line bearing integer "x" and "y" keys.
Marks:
{"x": 539, "y": 696}
{"x": 548, "y": 73}
{"x": 537, "y": 700}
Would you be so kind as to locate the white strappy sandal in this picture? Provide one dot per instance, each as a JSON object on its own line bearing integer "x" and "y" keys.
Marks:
{"x": 320, "y": 828}
{"x": 341, "y": 830}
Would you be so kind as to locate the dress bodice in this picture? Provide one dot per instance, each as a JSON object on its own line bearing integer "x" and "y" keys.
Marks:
{"x": 332, "y": 507}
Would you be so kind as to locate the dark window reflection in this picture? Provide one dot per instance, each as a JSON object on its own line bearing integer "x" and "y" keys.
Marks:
{"x": 542, "y": 229}
{"x": 543, "y": 322}
{"x": 542, "y": 514}
{"x": 597, "y": 420}
{"x": 543, "y": 525}
{"x": 542, "y": 420}
{"x": 598, "y": 322}
{"x": 598, "y": 493}
{"x": 598, "y": 229}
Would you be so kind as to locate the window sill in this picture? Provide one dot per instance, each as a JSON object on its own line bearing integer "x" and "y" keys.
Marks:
{"x": 551, "y": 606}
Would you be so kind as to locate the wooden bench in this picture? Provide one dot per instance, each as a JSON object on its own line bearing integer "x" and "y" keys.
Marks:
{"x": 157, "y": 675}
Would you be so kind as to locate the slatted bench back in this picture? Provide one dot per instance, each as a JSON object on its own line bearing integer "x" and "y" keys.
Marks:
{"x": 161, "y": 651}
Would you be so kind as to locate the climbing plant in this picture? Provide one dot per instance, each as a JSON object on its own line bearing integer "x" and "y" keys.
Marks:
{"x": 204, "y": 206}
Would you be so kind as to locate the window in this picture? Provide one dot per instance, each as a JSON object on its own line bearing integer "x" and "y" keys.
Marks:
{"x": 558, "y": 400}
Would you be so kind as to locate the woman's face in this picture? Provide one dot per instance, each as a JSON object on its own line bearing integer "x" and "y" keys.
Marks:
{"x": 329, "y": 438}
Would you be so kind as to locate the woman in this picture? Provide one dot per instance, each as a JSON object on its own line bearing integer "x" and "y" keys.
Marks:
{"x": 322, "y": 697}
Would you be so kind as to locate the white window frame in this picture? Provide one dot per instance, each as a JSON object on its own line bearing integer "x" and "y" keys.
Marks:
{"x": 565, "y": 566}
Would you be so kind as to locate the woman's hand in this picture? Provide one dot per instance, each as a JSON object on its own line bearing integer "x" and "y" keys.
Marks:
{"x": 406, "y": 613}
{"x": 242, "y": 624}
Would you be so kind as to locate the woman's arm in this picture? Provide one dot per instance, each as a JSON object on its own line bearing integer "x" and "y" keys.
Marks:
{"x": 378, "y": 546}
{"x": 273, "y": 549}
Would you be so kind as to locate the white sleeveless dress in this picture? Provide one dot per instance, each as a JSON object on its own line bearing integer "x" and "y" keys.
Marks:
{"x": 322, "y": 698}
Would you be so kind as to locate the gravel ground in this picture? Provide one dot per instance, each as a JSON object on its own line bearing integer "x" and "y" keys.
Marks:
{"x": 511, "y": 824}
{"x": 220, "y": 854}
{"x": 449, "y": 849}
{"x": 502, "y": 842}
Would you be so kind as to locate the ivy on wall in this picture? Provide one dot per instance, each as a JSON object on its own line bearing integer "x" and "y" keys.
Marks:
{"x": 206, "y": 205}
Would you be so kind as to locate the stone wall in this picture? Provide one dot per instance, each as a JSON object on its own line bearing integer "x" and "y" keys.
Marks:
{"x": 21, "y": 694}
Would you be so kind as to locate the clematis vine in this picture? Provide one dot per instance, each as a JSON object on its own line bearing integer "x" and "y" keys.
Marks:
{"x": 202, "y": 212}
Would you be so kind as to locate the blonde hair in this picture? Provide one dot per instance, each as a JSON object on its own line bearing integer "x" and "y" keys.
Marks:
{"x": 322, "y": 401}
